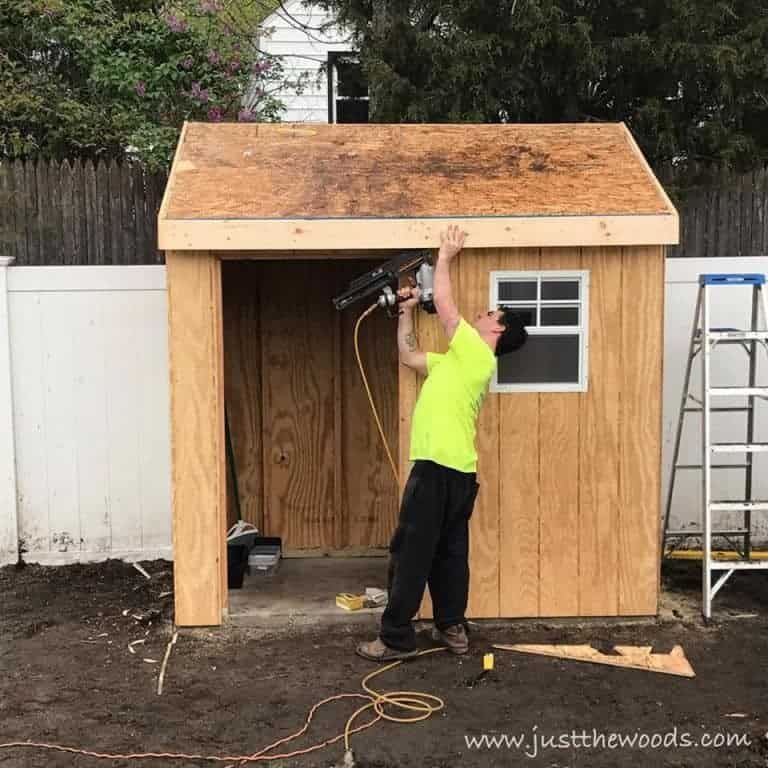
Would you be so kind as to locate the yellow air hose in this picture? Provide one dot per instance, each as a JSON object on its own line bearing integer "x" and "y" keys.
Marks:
{"x": 368, "y": 391}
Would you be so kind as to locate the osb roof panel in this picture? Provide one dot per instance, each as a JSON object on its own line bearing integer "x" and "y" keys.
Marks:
{"x": 273, "y": 171}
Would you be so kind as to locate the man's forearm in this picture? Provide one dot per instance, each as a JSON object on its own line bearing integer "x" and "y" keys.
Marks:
{"x": 443, "y": 290}
{"x": 407, "y": 343}
{"x": 444, "y": 304}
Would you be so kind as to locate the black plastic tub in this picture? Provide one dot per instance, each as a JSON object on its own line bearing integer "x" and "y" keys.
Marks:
{"x": 237, "y": 564}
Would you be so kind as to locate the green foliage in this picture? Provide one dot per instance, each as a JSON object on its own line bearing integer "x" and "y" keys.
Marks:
{"x": 93, "y": 78}
{"x": 690, "y": 77}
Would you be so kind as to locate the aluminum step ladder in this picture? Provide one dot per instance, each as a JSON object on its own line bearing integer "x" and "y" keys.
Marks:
{"x": 705, "y": 340}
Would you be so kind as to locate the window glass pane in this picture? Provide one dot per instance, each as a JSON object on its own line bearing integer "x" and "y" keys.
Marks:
{"x": 559, "y": 315}
{"x": 557, "y": 290}
{"x": 351, "y": 110}
{"x": 527, "y": 314}
{"x": 542, "y": 360}
{"x": 510, "y": 290}
{"x": 350, "y": 78}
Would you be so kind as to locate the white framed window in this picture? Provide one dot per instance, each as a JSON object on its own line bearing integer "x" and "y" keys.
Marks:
{"x": 554, "y": 306}
{"x": 348, "y": 99}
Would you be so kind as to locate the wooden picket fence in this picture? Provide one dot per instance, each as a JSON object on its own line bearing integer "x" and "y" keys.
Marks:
{"x": 727, "y": 217}
{"x": 85, "y": 212}
{"x": 79, "y": 212}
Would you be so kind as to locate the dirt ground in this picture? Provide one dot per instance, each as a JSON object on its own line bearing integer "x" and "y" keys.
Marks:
{"x": 67, "y": 676}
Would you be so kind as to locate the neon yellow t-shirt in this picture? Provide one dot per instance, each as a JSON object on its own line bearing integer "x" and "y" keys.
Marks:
{"x": 445, "y": 417}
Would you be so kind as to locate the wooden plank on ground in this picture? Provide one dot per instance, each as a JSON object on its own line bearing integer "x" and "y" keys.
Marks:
{"x": 474, "y": 275}
{"x": 242, "y": 365}
{"x": 626, "y": 657}
{"x": 640, "y": 436}
{"x": 519, "y": 509}
{"x": 298, "y": 405}
{"x": 196, "y": 371}
{"x": 599, "y": 501}
{"x": 559, "y": 482}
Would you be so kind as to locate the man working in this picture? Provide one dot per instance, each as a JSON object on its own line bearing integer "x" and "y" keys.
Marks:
{"x": 431, "y": 542}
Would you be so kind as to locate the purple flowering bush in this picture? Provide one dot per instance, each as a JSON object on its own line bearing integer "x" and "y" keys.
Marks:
{"x": 101, "y": 78}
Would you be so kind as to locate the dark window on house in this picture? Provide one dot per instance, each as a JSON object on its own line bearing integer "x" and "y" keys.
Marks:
{"x": 347, "y": 89}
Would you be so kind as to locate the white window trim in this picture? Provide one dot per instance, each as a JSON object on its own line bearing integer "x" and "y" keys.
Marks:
{"x": 335, "y": 87}
{"x": 582, "y": 329}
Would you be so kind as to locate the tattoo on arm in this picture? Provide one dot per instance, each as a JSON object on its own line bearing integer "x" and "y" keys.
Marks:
{"x": 412, "y": 341}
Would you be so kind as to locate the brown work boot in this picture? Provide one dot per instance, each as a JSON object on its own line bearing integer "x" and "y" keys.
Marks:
{"x": 375, "y": 650}
{"x": 453, "y": 638}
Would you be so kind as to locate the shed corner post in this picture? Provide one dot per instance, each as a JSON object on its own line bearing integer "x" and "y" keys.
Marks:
{"x": 9, "y": 524}
{"x": 198, "y": 495}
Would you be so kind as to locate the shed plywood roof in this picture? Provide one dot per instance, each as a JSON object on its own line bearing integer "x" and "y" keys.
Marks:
{"x": 410, "y": 173}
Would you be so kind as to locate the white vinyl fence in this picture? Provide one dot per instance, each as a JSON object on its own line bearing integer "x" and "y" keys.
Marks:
{"x": 84, "y": 411}
{"x": 731, "y": 307}
{"x": 84, "y": 414}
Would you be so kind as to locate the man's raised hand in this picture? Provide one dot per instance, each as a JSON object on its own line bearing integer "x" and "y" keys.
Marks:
{"x": 451, "y": 242}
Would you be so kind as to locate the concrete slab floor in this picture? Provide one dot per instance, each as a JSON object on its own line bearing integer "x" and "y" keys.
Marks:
{"x": 303, "y": 591}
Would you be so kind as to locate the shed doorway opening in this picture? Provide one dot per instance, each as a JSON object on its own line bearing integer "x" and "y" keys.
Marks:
{"x": 307, "y": 458}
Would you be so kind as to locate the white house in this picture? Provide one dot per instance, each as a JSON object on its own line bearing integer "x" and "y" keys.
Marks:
{"x": 318, "y": 53}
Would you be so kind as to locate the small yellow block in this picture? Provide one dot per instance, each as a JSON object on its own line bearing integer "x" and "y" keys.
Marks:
{"x": 487, "y": 662}
{"x": 350, "y": 602}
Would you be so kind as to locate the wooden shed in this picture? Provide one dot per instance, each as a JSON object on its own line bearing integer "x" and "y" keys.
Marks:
{"x": 263, "y": 224}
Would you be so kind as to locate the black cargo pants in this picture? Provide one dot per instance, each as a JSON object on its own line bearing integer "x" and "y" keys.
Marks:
{"x": 430, "y": 546}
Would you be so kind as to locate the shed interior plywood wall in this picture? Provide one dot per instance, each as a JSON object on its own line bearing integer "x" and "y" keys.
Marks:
{"x": 309, "y": 460}
{"x": 298, "y": 363}
{"x": 242, "y": 379}
{"x": 369, "y": 491}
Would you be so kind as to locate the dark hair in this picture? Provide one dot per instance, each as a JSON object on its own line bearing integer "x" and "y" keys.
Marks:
{"x": 514, "y": 335}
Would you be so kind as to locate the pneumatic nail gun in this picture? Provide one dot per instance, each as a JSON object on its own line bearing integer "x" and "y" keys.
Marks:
{"x": 384, "y": 280}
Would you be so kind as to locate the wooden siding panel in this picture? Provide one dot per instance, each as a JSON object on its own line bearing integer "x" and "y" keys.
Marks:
{"x": 641, "y": 399}
{"x": 559, "y": 482}
{"x": 599, "y": 500}
{"x": 198, "y": 439}
{"x": 519, "y": 510}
